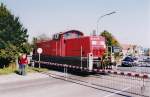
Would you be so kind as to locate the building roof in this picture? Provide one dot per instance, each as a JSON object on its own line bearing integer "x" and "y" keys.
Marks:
{"x": 127, "y": 46}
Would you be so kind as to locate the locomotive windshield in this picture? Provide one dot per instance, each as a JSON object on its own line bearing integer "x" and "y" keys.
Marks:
{"x": 68, "y": 35}
{"x": 72, "y": 34}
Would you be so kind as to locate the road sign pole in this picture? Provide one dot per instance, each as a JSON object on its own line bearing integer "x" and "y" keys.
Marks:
{"x": 39, "y": 61}
{"x": 39, "y": 50}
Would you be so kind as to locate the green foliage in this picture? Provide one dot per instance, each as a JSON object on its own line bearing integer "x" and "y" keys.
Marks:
{"x": 110, "y": 39}
{"x": 7, "y": 70}
{"x": 28, "y": 69}
{"x": 26, "y": 48}
{"x": 13, "y": 36}
{"x": 11, "y": 30}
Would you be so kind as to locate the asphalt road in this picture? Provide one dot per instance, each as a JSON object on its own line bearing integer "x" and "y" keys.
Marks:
{"x": 145, "y": 70}
{"x": 50, "y": 87}
{"x": 105, "y": 86}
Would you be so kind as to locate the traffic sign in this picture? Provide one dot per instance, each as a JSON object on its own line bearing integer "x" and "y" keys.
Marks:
{"x": 116, "y": 49}
{"x": 39, "y": 50}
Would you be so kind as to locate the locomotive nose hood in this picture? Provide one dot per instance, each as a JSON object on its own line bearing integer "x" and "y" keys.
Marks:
{"x": 98, "y": 45}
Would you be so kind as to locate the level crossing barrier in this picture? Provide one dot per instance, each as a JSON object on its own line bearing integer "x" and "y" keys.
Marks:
{"x": 130, "y": 83}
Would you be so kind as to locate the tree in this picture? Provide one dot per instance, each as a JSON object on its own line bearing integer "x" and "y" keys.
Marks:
{"x": 110, "y": 39}
{"x": 110, "y": 42}
{"x": 13, "y": 36}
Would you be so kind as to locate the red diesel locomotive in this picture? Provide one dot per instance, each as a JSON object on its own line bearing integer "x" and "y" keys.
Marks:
{"x": 73, "y": 48}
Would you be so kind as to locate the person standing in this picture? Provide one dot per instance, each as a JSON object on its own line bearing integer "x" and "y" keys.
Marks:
{"x": 22, "y": 64}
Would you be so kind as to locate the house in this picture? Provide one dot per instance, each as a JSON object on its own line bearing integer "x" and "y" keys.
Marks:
{"x": 147, "y": 51}
{"x": 133, "y": 50}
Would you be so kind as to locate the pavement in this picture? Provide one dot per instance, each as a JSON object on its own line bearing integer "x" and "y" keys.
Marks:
{"x": 42, "y": 85}
{"x": 15, "y": 77}
{"x": 142, "y": 70}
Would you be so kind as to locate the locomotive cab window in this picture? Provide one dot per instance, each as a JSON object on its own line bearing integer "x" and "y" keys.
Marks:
{"x": 71, "y": 35}
{"x": 56, "y": 36}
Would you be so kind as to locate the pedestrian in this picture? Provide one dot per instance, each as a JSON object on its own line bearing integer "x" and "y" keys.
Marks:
{"x": 22, "y": 64}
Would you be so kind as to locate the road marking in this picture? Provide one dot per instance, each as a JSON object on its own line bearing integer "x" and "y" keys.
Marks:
{"x": 117, "y": 92}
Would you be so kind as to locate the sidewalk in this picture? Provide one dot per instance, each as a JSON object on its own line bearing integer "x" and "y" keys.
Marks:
{"x": 15, "y": 77}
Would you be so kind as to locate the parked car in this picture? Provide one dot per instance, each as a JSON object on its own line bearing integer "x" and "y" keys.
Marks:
{"x": 129, "y": 62}
{"x": 147, "y": 59}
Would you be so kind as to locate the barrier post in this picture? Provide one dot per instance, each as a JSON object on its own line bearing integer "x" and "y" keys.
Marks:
{"x": 65, "y": 71}
{"x": 39, "y": 61}
{"x": 81, "y": 58}
{"x": 90, "y": 61}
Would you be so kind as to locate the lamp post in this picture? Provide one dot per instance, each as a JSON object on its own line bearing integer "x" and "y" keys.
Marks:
{"x": 102, "y": 17}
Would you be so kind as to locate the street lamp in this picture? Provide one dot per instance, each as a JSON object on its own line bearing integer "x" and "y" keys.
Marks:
{"x": 104, "y": 16}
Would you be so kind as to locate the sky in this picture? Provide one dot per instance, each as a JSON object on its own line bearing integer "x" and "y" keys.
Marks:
{"x": 130, "y": 24}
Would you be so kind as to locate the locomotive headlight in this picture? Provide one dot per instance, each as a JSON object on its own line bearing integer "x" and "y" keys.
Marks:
{"x": 103, "y": 44}
{"x": 94, "y": 42}
{"x": 99, "y": 43}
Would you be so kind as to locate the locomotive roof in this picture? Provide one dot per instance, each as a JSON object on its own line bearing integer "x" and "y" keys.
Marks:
{"x": 73, "y": 31}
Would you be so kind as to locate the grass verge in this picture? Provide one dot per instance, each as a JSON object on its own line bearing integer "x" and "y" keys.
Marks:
{"x": 9, "y": 70}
